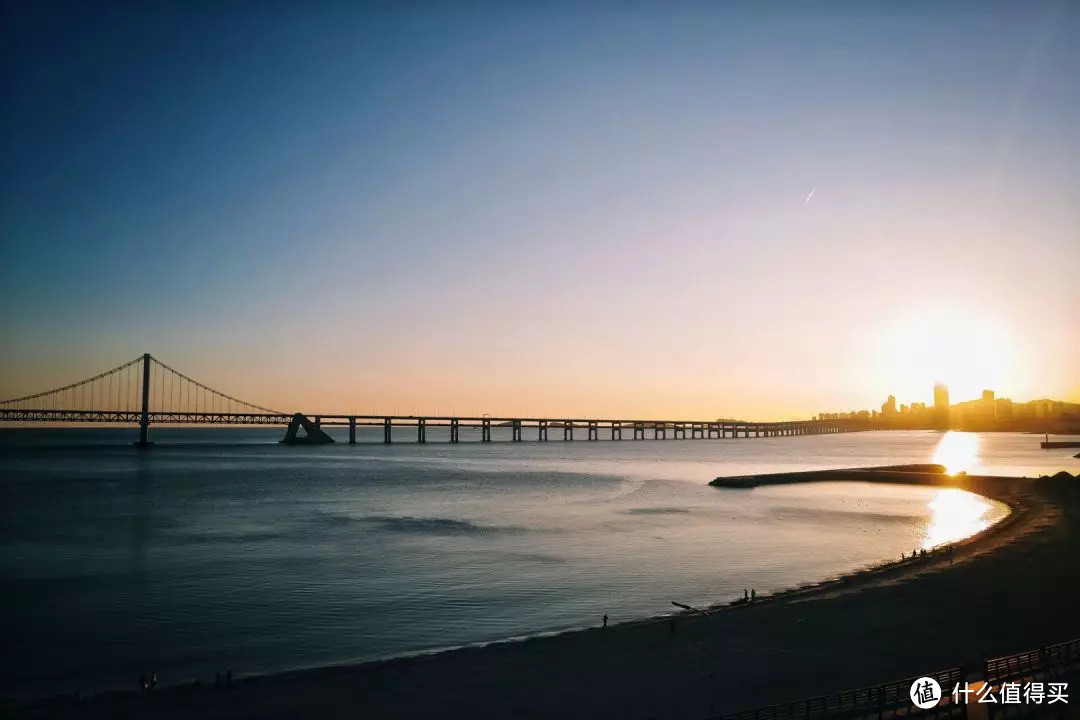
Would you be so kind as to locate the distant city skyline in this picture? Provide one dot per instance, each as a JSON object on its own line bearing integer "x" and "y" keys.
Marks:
{"x": 985, "y": 411}
{"x": 673, "y": 210}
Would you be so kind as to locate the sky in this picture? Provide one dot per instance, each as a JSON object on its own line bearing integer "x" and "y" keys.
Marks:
{"x": 681, "y": 209}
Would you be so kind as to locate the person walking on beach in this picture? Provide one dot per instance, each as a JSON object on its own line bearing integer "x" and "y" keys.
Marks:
{"x": 605, "y": 619}
{"x": 753, "y": 595}
{"x": 745, "y": 595}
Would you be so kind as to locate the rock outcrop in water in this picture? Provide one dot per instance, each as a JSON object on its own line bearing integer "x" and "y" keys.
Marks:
{"x": 314, "y": 434}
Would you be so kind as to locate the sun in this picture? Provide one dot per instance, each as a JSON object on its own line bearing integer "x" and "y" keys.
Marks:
{"x": 967, "y": 351}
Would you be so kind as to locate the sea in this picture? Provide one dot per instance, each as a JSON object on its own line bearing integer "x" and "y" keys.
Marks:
{"x": 219, "y": 549}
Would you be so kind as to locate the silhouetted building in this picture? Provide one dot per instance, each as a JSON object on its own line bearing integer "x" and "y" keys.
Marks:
{"x": 988, "y": 396}
{"x": 941, "y": 395}
{"x": 942, "y": 415}
{"x": 889, "y": 408}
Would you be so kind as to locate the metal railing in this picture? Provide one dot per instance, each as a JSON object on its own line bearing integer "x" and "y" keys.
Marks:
{"x": 1032, "y": 663}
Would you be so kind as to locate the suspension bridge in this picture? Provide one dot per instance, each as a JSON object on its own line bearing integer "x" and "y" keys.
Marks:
{"x": 146, "y": 391}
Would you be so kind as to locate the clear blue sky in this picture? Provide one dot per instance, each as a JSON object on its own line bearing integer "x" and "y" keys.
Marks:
{"x": 489, "y": 208}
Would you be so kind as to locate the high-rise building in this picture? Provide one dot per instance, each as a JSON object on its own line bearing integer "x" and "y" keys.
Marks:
{"x": 889, "y": 407}
{"x": 941, "y": 395}
{"x": 988, "y": 396}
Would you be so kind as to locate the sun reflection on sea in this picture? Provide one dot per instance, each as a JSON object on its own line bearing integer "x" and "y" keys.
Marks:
{"x": 957, "y": 514}
{"x": 957, "y": 451}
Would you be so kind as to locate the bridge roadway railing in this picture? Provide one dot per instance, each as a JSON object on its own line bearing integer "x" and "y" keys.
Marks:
{"x": 133, "y": 417}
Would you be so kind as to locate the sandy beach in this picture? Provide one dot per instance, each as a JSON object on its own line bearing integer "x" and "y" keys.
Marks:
{"x": 1002, "y": 591}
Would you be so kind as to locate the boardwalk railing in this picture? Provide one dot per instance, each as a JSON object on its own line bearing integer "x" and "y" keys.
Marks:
{"x": 1033, "y": 663}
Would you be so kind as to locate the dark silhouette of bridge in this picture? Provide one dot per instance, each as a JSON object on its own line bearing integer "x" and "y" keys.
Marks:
{"x": 146, "y": 391}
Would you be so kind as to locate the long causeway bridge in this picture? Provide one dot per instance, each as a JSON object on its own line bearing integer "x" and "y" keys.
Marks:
{"x": 145, "y": 391}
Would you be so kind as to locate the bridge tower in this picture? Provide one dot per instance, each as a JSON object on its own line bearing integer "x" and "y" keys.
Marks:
{"x": 144, "y": 417}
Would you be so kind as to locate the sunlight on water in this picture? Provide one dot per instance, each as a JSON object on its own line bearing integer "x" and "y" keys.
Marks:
{"x": 957, "y": 451}
{"x": 957, "y": 514}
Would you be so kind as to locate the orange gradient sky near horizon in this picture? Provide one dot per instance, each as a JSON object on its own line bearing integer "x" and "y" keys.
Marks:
{"x": 968, "y": 352}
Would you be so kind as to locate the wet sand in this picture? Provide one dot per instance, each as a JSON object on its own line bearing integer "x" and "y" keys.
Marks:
{"x": 1005, "y": 590}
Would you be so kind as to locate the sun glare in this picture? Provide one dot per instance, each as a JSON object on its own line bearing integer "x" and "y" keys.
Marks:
{"x": 957, "y": 514}
{"x": 957, "y": 451}
{"x": 966, "y": 351}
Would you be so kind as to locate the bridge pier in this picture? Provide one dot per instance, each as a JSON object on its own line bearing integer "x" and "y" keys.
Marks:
{"x": 659, "y": 431}
{"x": 616, "y": 431}
{"x": 387, "y": 436}
{"x": 567, "y": 431}
{"x": 516, "y": 431}
{"x": 541, "y": 431}
{"x": 639, "y": 431}
{"x": 485, "y": 430}
{"x": 593, "y": 431}
{"x": 454, "y": 429}
{"x": 421, "y": 430}
{"x": 678, "y": 431}
{"x": 352, "y": 430}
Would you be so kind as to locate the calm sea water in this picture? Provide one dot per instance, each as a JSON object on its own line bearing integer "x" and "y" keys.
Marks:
{"x": 221, "y": 549}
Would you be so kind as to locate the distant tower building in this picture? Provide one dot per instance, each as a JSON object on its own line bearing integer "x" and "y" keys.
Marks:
{"x": 889, "y": 408}
{"x": 988, "y": 396}
{"x": 941, "y": 395}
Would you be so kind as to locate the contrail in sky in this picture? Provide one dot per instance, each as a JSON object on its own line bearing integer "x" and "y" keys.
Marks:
{"x": 810, "y": 195}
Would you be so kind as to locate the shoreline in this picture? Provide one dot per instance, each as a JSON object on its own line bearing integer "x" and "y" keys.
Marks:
{"x": 1035, "y": 509}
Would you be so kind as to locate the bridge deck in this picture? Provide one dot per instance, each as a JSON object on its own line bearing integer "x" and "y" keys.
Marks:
{"x": 613, "y": 429}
